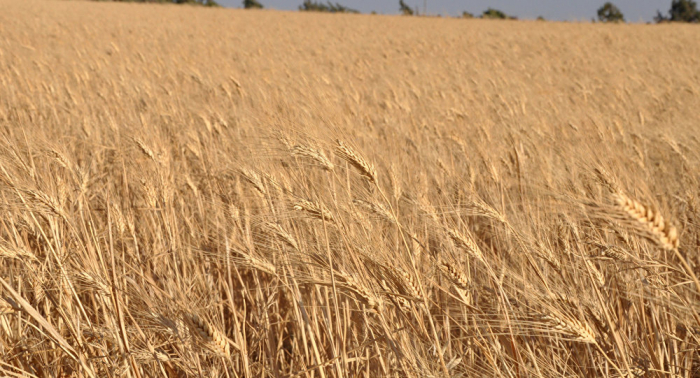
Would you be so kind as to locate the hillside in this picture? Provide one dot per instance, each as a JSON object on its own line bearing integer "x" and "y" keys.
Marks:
{"x": 201, "y": 192}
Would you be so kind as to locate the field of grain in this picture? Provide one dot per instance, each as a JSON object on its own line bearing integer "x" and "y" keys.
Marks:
{"x": 191, "y": 192}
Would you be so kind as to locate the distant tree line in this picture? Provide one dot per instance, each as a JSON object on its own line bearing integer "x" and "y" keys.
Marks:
{"x": 312, "y": 6}
{"x": 680, "y": 11}
{"x": 206, "y": 3}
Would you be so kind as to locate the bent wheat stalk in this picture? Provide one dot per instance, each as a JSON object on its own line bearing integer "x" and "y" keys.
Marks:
{"x": 666, "y": 234}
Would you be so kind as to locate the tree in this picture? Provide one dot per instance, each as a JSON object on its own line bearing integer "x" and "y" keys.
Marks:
{"x": 252, "y": 4}
{"x": 494, "y": 14}
{"x": 684, "y": 11}
{"x": 206, "y": 3}
{"x": 466, "y": 14}
{"x": 313, "y": 6}
{"x": 405, "y": 9}
{"x": 610, "y": 13}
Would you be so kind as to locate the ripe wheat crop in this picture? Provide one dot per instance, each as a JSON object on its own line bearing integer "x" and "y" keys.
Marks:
{"x": 191, "y": 192}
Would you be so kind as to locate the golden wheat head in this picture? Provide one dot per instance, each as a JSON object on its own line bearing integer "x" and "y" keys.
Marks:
{"x": 665, "y": 233}
{"x": 207, "y": 335}
{"x": 365, "y": 168}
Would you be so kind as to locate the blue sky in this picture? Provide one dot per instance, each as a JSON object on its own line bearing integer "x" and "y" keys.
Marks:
{"x": 634, "y": 10}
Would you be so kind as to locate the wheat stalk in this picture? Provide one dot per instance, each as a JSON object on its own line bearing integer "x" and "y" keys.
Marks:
{"x": 6, "y": 308}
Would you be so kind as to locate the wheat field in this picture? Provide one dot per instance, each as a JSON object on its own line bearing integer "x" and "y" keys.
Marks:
{"x": 195, "y": 192}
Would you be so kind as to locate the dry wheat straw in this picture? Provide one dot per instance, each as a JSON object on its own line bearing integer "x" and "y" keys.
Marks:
{"x": 94, "y": 282}
{"x": 605, "y": 178}
{"x": 614, "y": 252}
{"x": 46, "y": 202}
{"x": 6, "y": 308}
{"x": 597, "y": 275}
{"x": 274, "y": 184}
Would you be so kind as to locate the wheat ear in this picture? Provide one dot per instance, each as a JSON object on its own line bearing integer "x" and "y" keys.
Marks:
{"x": 455, "y": 275}
{"x": 315, "y": 210}
{"x": 410, "y": 283}
{"x": 576, "y": 329}
{"x": 365, "y": 168}
{"x": 653, "y": 221}
{"x": 282, "y": 234}
{"x": 376, "y": 209}
{"x": 466, "y": 242}
{"x": 666, "y": 235}
{"x": 254, "y": 179}
{"x": 207, "y": 334}
{"x": 313, "y": 154}
{"x": 147, "y": 150}
{"x": 359, "y": 290}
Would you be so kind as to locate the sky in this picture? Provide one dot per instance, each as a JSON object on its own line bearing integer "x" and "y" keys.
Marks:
{"x": 562, "y": 10}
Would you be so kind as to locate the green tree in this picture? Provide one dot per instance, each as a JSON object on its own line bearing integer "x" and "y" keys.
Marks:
{"x": 405, "y": 9}
{"x": 252, "y": 4}
{"x": 313, "y": 6}
{"x": 610, "y": 13}
{"x": 684, "y": 11}
{"x": 466, "y": 14}
{"x": 206, "y": 3}
{"x": 494, "y": 14}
